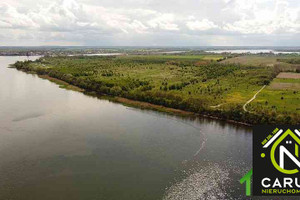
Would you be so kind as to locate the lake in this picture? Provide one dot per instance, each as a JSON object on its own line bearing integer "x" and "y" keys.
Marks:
{"x": 252, "y": 51}
{"x": 62, "y": 144}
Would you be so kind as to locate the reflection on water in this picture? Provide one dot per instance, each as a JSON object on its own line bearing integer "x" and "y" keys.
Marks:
{"x": 60, "y": 144}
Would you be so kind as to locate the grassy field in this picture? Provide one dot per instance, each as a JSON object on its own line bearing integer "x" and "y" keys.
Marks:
{"x": 282, "y": 96}
{"x": 196, "y": 83}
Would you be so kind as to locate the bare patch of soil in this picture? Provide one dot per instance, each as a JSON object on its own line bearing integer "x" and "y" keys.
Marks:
{"x": 289, "y": 75}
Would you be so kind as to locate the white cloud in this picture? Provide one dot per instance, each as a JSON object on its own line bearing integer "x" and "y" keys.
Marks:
{"x": 202, "y": 25}
{"x": 138, "y": 26}
{"x": 164, "y": 21}
{"x": 11, "y": 18}
{"x": 124, "y": 22}
{"x": 256, "y": 18}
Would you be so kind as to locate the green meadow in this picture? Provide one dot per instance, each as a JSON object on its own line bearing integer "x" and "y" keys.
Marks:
{"x": 207, "y": 84}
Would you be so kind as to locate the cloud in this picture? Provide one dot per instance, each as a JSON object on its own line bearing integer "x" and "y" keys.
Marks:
{"x": 164, "y": 21}
{"x": 149, "y": 22}
{"x": 202, "y": 25}
{"x": 258, "y": 19}
{"x": 11, "y": 18}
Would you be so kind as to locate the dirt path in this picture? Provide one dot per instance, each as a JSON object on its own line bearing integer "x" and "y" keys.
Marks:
{"x": 217, "y": 106}
{"x": 244, "y": 106}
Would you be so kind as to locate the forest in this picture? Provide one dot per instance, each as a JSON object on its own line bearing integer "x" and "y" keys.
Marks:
{"x": 202, "y": 84}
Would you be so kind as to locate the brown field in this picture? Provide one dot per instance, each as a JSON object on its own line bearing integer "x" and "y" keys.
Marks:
{"x": 271, "y": 61}
{"x": 289, "y": 75}
{"x": 285, "y": 86}
{"x": 254, "y": 60}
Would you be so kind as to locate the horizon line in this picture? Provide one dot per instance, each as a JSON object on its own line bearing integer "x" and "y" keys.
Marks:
{"x": 147, "y": 46}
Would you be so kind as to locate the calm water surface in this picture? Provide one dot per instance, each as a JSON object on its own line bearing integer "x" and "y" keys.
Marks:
{"x": 60, "y": 144}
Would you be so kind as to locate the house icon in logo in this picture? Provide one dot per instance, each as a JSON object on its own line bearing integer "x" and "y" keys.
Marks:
{"x": 285, "y": 145}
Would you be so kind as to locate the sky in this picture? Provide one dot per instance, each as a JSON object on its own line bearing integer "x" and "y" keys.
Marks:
{"x": 150, "y": 22}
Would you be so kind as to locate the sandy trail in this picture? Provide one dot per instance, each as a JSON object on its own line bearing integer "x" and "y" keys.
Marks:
{"x": 217, "y": 106}
{"x": 244, "y": 106}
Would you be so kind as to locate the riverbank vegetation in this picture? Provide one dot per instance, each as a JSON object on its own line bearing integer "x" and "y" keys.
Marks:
{"x": 206, "y": 84}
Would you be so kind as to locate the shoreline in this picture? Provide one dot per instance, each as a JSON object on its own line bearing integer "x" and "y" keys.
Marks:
{"x": 134, "y": 103}
{"x": 61, "y": 83}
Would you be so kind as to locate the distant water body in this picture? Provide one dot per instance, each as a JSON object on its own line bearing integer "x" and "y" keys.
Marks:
{"x": 99, "y": 54}
{"x": 252, "y": 51}
{"x": 103, "y": 54}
